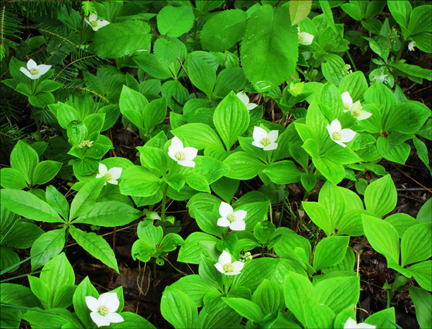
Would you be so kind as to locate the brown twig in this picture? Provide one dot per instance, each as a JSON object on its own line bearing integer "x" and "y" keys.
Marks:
{"x": 71, "y": 63}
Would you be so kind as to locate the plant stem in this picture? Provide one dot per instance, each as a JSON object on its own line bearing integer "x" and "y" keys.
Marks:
{"x": 163, "y": 207}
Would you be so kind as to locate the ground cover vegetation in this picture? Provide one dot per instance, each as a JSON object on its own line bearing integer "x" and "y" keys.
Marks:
{"x": 216, "y": 164}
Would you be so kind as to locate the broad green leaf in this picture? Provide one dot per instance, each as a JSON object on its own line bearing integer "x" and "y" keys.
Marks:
{"x": 154, "y": 113}
{"x": 153, "y": 158}
{"x": 96, "y": 246}
{"x": 383, "y": 319}
{"x": 194, "y": 287}
{"x": 422, "y": 272}
{"x": 401, "y": 222}
{"x": 178, "y": 308}
{"x": 381, "y": 196}
{"x": 338, "y": 293}
{"x": 333, "y": 199}
{"x": 330, "y": 251}
{"x": 421, "y": 19}
{"x": 197, "y": 182}
{"x": 423, "y": 42}
{"x": 382, "y": 237}
{"x": 86, "y": 197}
{"x": 45, "y": 171}
{"x": 57, "y": 201}
{"x": 201, "y": 74}
{"x": 356, "y": 84}
{"x": 232, "y": 78}
{"x": 165, "y": 51}
{"x": 176, "y": 95}
{"x": 142, "y": 251}
{"x": 293, "y": 246}
{"x": 22, "y": 235}
{"x": 191, "y": 251}
{"x": 8, "y": 258}
{"x": 276, "y": 57}
{"x": 207, "y": 222}
{"x": 231, "y": 119}
{"x": 346, "y": 265}
{"x": 255, "y": 271}
{"x": 296, "y": 290}
{"x": 299, "y": 10}
{"x": 225, "y": 188}
{"x": 42, "y": 99}
{"x": 197, "y": 135}
{"x": 400, "y": 10}
{"x": 210, "y": 168}
{"x": 319, "y": 215}
{"x": 269, "y": 296}
{"x": 334, "y": 172}
{"x": 223, "y": 30}
{"x": 333, "y": 68}
{"x": 245, "y": 308}
{"x": 121, "y": 39}
{"x": 12, "y": 179}
{"x": 224, "y": 317}
{"x": 414, "y": 70}
{"x": 378, "y": 93}
{"x": 415, "y": 244}
{"x": 24, "y": 159}
{"x": 407, "y": 117}
{"x": 109, "y": 214}
{"x": 46, "y": 247}
{"x": 392, "y": 149}
{"x": 150, "y": 64}
{"x": 423, "y": 215}
{"x": 423, "y": 303}
{"x": 422, "y": 152}
{"x": 283, "y": 172}
{"x": 139, "y": 181}
{"x": 243, "y": 166}
{"x": 28, "y": 205}
{"x": 317, "y": 315}
{"x": 84, "y": 289}
{"x": 175, "y": 21}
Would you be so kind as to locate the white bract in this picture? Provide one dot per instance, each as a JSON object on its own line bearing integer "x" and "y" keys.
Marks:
{"x": 235, "y": 220}
{"x": 245, "y": 99}
{"x": 95, "y": 23}
{"x": 304, "y": 38}
{"x": 356, "y": 108}
{"x": 104, "y": 308}
{"x": 33, "y": 70}
{"x": 111, "y": 175}
{"x": 411, "y": 46}
{"x": 351, "y": 324}
{"x": 265, "y": 140}
{"x": 183, "y": 155}
{"x": 225, "y": 266}
{"x": 339, "y": 135}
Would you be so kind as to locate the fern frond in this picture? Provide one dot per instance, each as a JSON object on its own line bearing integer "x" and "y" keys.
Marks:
{"x": 10, "y": 28}
{"x": 48, "y": 8}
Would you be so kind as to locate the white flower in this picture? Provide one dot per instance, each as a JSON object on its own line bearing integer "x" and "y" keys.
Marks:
{"x": 411, "y": 46}
{"x": 111, "y": 175}
{"x": 34, "y": 71}
{"x": 103, "y": 309}
{"x": 183, "y": 155}
{"x": 381, "y": 77}
{"x": 304, "y": 38}
{"x": 225, "y": 266}
{"x": 85, "y": 143}
{"x": 95, "y": 23}
{"x": 265, "y": 140}
{"x": 356, "y": 108}
{"x": 351, "y": 324}
{"x": 338, "y": 134}
{"x": 245, "y": 99}
{"x": 235, "y": 220}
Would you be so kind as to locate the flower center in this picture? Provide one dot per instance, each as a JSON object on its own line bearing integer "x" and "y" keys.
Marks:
{"x": 337, "y": 135}
{"x": 300, "y": 38}
{"x": 228, "y": 267}
{"x": 85, "y": 143}
{"x": 231, "y": 218}
{"x": 346, "y": 106}
{"x": 103, "y": 310}
{"x": 94, "y": 23}
{"x": 356, "y": 113}
{"x": 265, "y": 141}
{"x": 34, "y": 71}
{"x": 108, "y": 176}
{"x": 180, "y": 155}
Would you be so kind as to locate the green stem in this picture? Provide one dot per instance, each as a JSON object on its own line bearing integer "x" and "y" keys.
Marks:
{"x": 352, "y": 62}
{"x": 39, "y": 136}
{"x": 163, "y": 207}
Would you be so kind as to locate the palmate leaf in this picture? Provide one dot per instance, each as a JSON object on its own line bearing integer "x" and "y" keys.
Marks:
{"x": 270, "y": 44}
{"x": 121, "y": 39}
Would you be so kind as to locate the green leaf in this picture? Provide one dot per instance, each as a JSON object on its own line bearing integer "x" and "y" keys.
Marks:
{"x": 150, "y": 64}
{"x": 201, "y": 74}
{"x": 86, "y": 197}
{"x": 57, "y": 201}
{"x": 330, "y": 251}
{"x": 24, "y": 159}
{"x": 318, "y": 214}
{"x": 231, "y": 119}
{"x": 296, "y": 289}
{"x": 132, "y": 321}
{"x": 96, "y": 246}
{"x": 414, "y": 70}
{"x": 198, "y": 135}
{"x": 356, "y": 84}
{"x": 333, "y": 68}
{"x": 8, "y": 258}
{"x": 422, "y": 152}
{"x": 109, "y": 214}
{"x": 22, "y": 235}
{"x": 42, "y": 99}
{"x": 225, "y": 188}
{"x": 421, "y": 19}
{"x": 191, "y": 251}
{"x": 415, "y": 244}
{"x": 243, "y": 166}
{"x": 422, "y": 272}
{"x": 334, "y": 172}
{"x": 210, "y": 168}
{"x": 381, "y": 196}
{"x": 407, "y": 117}
{"x": 66, "y": 114}
{"x": 12, "y": 179}
{"x": 423, "y": 215}
{"x": 121, "y": 39}
{"x": 283, "y": 172}
{"x": 84, "y": 289}
{"x": 174, "y": 90}
{"x": 393, "y": 149}
{"x": 383, "y": 237}
{"x": 269, "y": 296}
{"x": 384, "y": 318}
{"x": 154, "y": 113}
{"x": 28, "y": 205}
{"x": 400, "y": 10}
{"x": 223, "y": 30}
{"x": 299, "y": 10}
{"x": 178, "y": 308}
{"x": 276, "y": 57}
{"x": 139, "y": 181}
{"x": 245, "y": 308}
{"x": 255, "y": 271}
{"x": 45, "y": 171}
{"x": 194, "y": 287}
{"x": 423, "y": 304}
{"x": 232, "y": 78}
{"x": 175, "y": 21}
{"x": 338, "y": 293}
{"x": 401, "y": 222}
{"x": 46, "y": 247}
{"x": 153, "y": 158}
{"x": 317, "y": 315}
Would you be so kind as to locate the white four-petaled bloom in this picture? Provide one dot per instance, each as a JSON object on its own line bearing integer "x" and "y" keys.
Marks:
{"x": 183, "y": 155}
{"x": 338, "y": 134}
{"x": 225, "y": 266}
{"x": 351, "y": 324}
{"x": 95, "y": 23}
{"x": 265, "y": 140}
{"x": 356, "y": 108}
{"x": 304, "y": 38}
{"x": 111, "y": 175}
{"x": 245, "y": 99}
{"x": 411, "y": 46}
{"x": 33, "y": 70}
{"x": 235, "y": 220}
{"x": 104, "y": 308}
